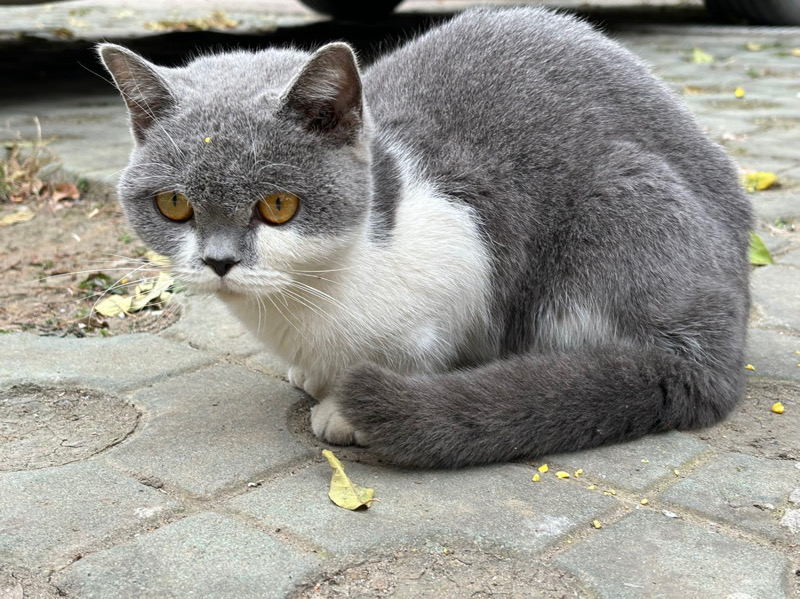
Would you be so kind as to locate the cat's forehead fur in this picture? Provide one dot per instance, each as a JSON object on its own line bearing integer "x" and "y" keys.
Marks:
{"x": 225, "y": 144}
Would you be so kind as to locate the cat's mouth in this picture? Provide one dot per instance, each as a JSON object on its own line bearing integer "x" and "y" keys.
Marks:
{"x": 234, "y": 283}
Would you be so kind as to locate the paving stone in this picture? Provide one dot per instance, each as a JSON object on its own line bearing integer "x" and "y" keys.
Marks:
{"x": 207, "y": 324}
{"x": 268, "y": 364}
{"x": 497, "y": 506}
{"x": 621, "y": 466}
{"x": 772, "y": 205}
{"x": 114, "y": 363}
{"x": 739, "y": 489}
{"x": 48, "y": 516}
{"x": 792, "y": 257}
{"x": 202, "y": 556}
{"x": 650, "y": 555}
{"x": 212, "y": 429}
{"x": 774, "y": 354}
{"x": 776, "y": 292}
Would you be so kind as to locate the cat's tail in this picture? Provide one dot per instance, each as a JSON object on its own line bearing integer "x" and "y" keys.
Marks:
{"x": 535, "y": 404}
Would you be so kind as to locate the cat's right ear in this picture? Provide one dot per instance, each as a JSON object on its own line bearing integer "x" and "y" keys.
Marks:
{"x": 326, "y": 96}
{"x": 142, "y": 87}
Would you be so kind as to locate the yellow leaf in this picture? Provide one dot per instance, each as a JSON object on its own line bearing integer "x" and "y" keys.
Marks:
{"x": 562, "y": 474}
{"x": 759, "y": 181}
{"x": 738, "y": 92}
{"x": 543, "y": 468}
{"x": 343, "y": 492}
{"x": 17, "y": 217}
{"x": 535, "y": 478}
{"x": 701, "y": 57}
{"x": 777, "y": 407}
{"x": 113, "y": 305}
{"x": 147, "y": 292}
{"x": 156, "y": 259}
{"x": 749, "y": 367}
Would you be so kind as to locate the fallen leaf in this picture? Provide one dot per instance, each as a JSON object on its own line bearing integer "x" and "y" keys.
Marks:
{"x": 343, "y": 492}
{"x": 65, "y": 191}
{"x": 749, "y": 367}
{"x": 147, "y": 292}
{"x": 21, "y": 216}
{"x": 112, "y": 305}
{"x": 758, "y": 181}
{"x": 759, "y": 255}
{"x": 701, "y": 56}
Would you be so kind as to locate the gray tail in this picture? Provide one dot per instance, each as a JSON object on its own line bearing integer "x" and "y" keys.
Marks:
{"x": 535, "y": 404}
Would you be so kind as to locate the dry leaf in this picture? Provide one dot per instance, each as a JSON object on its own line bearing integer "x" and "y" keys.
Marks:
{"x": 114, "y": 304}
{"x": 156, "y": 259}
{"x": 343, "y": 492}
{"x": 759, "y": 181}
{"x": 21, "y": 216}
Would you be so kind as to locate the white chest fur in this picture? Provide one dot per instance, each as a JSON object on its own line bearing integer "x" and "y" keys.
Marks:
{"x": 414, "y": 303}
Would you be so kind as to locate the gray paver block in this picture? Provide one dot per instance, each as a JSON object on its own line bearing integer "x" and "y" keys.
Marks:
{"x": 738, "y": 489}
{"x": 49, "y": 515}
{"x": 772, "y": 205}
{"x": 776, "y": 291}
{"x": 792, "y": 257}
{"x": 497, "y": 505}
{"x": 113, "y": 364}
{"x": 212, "y": 429}
{"x": 202, "y": 556}
{"x": 621, "y": 465}
{"x": 207, "y": 324}
{"x": 650, "y": 555}
{"x": 774, "y": 353}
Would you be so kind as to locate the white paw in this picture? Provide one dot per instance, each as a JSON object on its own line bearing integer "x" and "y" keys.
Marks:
{"x": 315, "y": 387}
{"x": 329, "y": 425}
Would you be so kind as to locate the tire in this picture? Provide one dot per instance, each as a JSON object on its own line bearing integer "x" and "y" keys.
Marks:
{"x": 353, "y": 11}
{"x": 756, "y": 12}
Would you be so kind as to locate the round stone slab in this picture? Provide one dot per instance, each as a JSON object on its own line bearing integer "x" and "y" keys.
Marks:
{"x": 44, "y": 427}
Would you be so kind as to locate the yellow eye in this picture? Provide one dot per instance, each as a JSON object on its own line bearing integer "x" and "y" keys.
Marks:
{"x": 278, "y": 208}
{"x": 174, "y": 206}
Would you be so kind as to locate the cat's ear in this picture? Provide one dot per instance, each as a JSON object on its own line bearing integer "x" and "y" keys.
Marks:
{"x": 142, "y": 87}
{"x": 326, "y": 96}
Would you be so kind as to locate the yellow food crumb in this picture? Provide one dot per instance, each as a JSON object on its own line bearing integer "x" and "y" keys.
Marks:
{"x": 535, "y": 478}
{"x": 738, "y": 92}
{"x": 645, "y": 461}
{"x": 597, "y": 524}
{"x": 207, "y": 140}
{"x": 777, "y": 407}
{"x": 562, "y": 474}
{"x": 644, "y": 501}
{"x": 569, "y": 540}
{"x": 749, "y": 367}
{"x": 125, "y": 280}
{"x": 677, "y": 472}
{"x": 543, "y": 468}
{"x": 610, "y": 492}
{"x": 591, "y": 487}
{"x": 579, "y": 471}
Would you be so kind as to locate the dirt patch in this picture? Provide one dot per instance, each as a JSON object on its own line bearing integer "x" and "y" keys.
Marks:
{"x": 445, "y": 572}
{"x": 755, "y": 429}
{"x": 21, "y": 583}
{"x": 48, "y": 427}
{"x": 57, "y": 265}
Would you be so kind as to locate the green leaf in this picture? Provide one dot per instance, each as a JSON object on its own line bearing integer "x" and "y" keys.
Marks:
{"x": 759, "y": 254}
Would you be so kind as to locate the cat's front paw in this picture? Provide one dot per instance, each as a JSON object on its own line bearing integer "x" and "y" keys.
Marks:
{"x": 315, "y": 387}
{"x": 329, "y": 425}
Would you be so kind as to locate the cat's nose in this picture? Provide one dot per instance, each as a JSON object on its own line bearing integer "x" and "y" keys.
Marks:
{"x": 221, "y": 266}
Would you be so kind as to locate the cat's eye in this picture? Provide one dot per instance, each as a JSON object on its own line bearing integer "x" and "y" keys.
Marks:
{"x": 278, "y": 208}
{"x": 175, "y": 206}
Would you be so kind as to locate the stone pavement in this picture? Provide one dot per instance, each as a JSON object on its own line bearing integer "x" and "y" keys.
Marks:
{"x": 182, "y": 465}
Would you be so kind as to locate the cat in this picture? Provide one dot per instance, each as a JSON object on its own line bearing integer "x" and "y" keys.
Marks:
{"x": 504, "y": 239}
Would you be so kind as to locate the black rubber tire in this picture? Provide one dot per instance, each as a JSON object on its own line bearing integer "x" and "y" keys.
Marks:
{"x": 756, "y": 12}
{"x": 350, "y": 10}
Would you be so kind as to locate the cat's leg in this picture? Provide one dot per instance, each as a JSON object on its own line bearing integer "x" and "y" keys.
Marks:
{"x": 330, "y": 425}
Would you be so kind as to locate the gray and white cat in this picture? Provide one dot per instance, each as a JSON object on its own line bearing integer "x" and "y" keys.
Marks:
{"x": 506, "y": 238}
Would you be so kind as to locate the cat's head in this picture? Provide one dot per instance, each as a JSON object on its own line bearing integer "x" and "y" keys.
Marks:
{"x": 246, "y": 166}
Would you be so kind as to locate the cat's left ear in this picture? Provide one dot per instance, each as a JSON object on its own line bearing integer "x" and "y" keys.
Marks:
{"x": 326, "y": 96}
